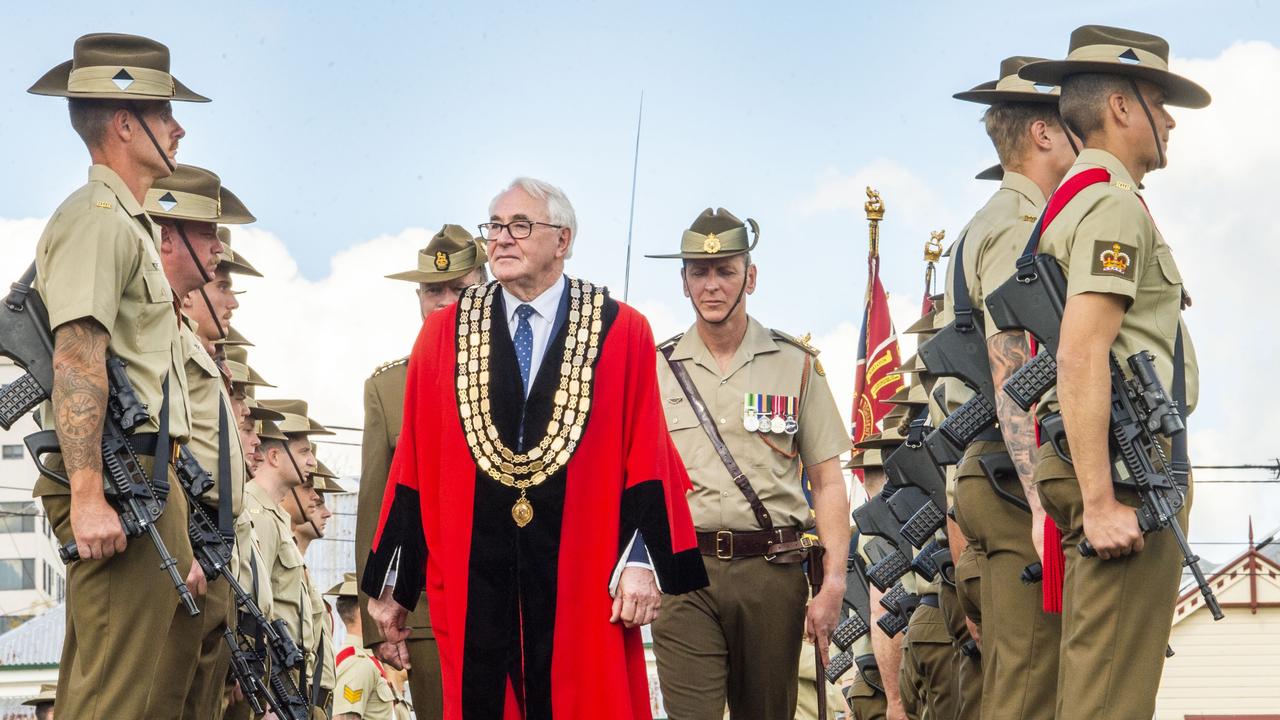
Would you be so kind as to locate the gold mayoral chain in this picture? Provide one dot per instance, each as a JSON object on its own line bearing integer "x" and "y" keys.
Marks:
{"x": 572, "y": 399}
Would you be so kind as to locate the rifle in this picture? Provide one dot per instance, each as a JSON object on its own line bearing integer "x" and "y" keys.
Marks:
{"x": 214, "y": 554}
{"x": 1141, "y": 410}
{"x": 920, "y": 496}
{"x": 857, "y": 599}
{"x": 1034, "y": 300}
{"x": 899, "y": 605}
{"x": 139, "y": 500}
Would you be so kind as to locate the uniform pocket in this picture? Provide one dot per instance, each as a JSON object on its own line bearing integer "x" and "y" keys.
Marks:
{"x": 150, "y": 334}
{"x": 1169, "y": 309}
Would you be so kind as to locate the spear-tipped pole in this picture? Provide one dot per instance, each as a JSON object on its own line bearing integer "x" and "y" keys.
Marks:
{"x": 631, "y": 216}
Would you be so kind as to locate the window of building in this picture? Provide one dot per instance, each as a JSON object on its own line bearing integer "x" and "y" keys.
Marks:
{"x": 17, "y": 517}
{"x": 12, "y": 452}
{"x": 18, "y": 574}
{"x": 62, "y": 588}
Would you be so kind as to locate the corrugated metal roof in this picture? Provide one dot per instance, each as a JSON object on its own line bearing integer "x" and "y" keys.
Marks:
{"x": 36, "y": 642}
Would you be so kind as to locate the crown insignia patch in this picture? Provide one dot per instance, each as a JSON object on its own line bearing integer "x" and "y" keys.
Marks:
{"x": 442, "y": 260}
{"x": 1113, "y": 259}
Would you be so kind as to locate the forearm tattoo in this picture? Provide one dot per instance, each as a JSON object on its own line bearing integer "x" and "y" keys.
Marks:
{"x": 1008, "y": 351}
{"x": 80, "y": 393}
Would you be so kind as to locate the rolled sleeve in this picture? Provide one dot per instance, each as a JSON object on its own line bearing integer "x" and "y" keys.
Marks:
{"x": 87, "y": 260}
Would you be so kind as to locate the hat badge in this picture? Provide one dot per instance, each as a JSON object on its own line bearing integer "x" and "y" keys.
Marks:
{"x": 1115, "y": 260}
{"x": 711, "y": 244}
{"x": 167, "y": 201}
{"x": 1130, "y": 57}
{"x": 442, "y": 260}
{"x": 122, "y": 79}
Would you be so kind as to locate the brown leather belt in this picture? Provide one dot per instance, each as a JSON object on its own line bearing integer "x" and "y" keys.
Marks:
{"x": 730, "y": 544}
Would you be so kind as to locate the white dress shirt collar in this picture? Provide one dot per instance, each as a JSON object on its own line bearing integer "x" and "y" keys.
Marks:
{"x": 545, "y": 306}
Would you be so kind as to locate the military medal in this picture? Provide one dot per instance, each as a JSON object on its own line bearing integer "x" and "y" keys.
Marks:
{"x": 749, "y": 419}
{"x": 762, "y": 411}
{"x": 792, "y": 426}
{"x": 779, "y": 424}
{"x": 572, "y": 400}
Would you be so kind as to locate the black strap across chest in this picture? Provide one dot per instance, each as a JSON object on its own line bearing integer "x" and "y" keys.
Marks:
{"x": 713, "y": 434}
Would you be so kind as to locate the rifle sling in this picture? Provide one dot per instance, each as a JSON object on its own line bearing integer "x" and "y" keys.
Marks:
{"x": 160, "y": 466}
{"x": 224, "y": 476}
{"x": 709, "y": 427}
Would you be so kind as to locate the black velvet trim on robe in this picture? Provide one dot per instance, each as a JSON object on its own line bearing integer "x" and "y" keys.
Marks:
{"x": 644, "y": 508}
{"x": 402, "y": 531}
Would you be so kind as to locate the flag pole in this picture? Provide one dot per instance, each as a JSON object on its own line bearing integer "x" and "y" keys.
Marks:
{"x": 932, "y": 254}
{"x": 631, "y": 216}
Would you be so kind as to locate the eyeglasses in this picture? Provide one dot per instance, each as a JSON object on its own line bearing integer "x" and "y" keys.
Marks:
{"x": 518, "y": 230}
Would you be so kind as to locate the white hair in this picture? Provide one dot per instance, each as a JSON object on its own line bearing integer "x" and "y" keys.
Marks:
{"x": 559, "y": 209}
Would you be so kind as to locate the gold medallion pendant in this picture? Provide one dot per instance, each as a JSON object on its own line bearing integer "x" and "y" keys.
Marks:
{"x": 523, "y": 470}
{"x": 522, "y": 511}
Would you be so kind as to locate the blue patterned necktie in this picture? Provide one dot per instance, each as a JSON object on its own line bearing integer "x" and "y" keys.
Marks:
{"x": 524, "y": 343}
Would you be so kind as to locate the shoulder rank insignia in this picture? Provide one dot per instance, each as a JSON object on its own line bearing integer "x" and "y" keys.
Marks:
{"x": 388, "y": 365}
{"x": 802, "y": 342}
{"x": 352, "y": 695}
{"x": 670, "y": 342}
{"x": 1113, "y": 259}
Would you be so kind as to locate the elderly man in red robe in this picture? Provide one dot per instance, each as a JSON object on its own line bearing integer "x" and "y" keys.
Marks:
{"x": 535, "y": 491}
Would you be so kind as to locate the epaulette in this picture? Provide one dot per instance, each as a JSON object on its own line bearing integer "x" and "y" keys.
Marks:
{"x": 388, "y": 365}
{"x": 670, "y": 342}
{"x": 802, "y": 343}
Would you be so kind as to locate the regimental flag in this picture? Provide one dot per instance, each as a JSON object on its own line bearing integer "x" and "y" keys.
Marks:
{"x": 876, "y": 376}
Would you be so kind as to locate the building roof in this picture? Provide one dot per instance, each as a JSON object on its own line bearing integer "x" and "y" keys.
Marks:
{"x": 1249, "y": 581}
{"x": 35, "y": 643}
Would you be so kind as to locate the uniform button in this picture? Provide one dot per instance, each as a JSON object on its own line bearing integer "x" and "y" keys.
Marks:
{"x": 724, "y": 493}
{"x": 675, "y": 421}
{"x": 725, "y": 381}
{"x": 721, "y": 421}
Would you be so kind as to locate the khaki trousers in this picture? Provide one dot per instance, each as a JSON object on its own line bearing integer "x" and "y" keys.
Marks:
{"x": 927, "y": 681}
{"x": 1020, "y": 647}
{"x": 197, "y": 659}
{"x": 1116, "y": 614}
{"x": 735, "y": 641}
{"x": 968, "y": 671}
{"x": 424, "y": 679}
{"x": 867, "y": 703}
{"x": 117, "y": 609}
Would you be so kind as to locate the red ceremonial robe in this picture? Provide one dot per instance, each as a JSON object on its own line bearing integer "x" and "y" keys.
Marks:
{"x": 521, "y": 615}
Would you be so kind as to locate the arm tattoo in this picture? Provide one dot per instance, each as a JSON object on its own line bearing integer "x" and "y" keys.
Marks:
{"x": 80, "y": 393}
{"x": 1008, "y": 351}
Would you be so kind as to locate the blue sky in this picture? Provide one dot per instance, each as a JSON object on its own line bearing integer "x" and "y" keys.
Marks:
{"x": 345, "y": 129}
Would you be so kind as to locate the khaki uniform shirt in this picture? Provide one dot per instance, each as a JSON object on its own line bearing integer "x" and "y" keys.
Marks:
{"x": 208, "y": 393}
{"x": 764, "y": 364}
{"x": 362, "y": 688}
{"x": 321, "y": 636}
{"x": 1106, "y": 242}
{"x": 99, "y": 257}
{"x": 290, "y": 600}
{"x": 248, "y": 559}
{"x": 993, "y": 241}
{"x": 383, "y": 416}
